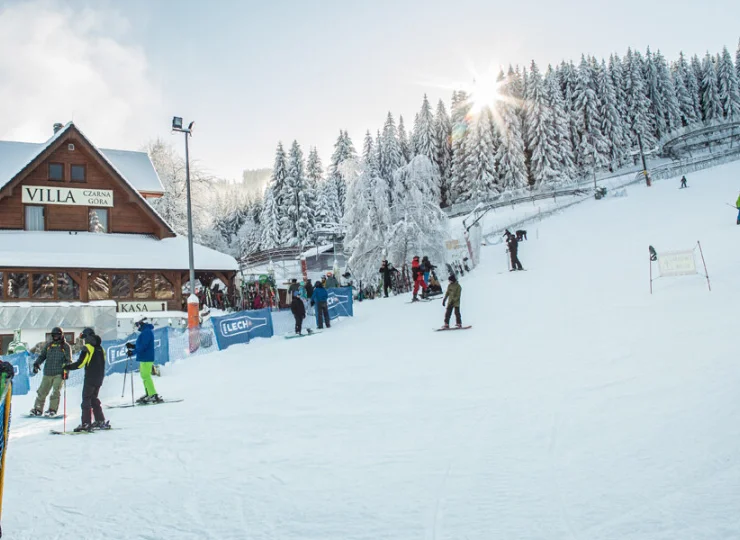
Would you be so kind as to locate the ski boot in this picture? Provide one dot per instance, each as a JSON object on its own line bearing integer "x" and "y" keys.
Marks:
{"x": 143, "y": 400}
{"x": 309, "y": 331}
{"x": 36, "y": 412}
{"x": 83, "y": 427}
{"x": 101, "y": 424}
{"x": 50, "y": 413}
{"x": 156, "y": 399}
{"x": 415, "y": 299}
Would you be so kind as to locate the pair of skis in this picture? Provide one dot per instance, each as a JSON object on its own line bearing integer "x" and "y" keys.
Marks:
{"x": 125, "y": 406}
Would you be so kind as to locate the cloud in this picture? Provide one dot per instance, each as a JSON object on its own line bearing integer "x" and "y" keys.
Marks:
{"x": 59, "y": 64}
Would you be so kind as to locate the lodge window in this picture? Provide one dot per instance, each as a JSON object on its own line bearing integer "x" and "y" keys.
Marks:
{"x": 5, "y": 340}
{"x": 163, "y": 288}
{"x": 98, "y": 220}
{"x": 42, "y": 286}
{"x": 77, "y": 173}
{"x": 142, "y": 286}
{"x": 35, "y": 218}
{"x": 56, "y": 172}
{"x": 98, "y": 286}
{"x": 18, "y": 285}
{"x": 67, "y": 288}
{"x": 121, "y": 286}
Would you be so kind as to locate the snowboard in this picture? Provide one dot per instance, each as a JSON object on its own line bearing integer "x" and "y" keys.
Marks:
{"x": 452, "y": 328}
{"x": 129, "y": 405}
{"x": 56, "y": 432}
{"x": 421, "y": 300}
{"x": 293, "y": 336}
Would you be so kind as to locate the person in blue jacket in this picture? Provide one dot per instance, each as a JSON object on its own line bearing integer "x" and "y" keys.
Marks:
{"x": 320, "y": 298}
{"x": 144, "y": 350}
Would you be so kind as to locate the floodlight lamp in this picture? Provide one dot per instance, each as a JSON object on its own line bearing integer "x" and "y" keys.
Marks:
{"x": 176, "y": 122}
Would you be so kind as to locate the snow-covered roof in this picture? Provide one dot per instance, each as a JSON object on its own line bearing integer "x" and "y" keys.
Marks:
{"x": 53, "y": 249}
{"x": 135, "y": 167}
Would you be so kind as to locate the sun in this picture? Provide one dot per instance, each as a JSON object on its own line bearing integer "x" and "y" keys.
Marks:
{"x": 484, "y": 93}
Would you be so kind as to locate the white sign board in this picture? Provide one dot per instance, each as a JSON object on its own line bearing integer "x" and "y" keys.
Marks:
{"x": 68, "y": 196}
{"x": 677, "y": 263}
{"x": 141, "y": 307}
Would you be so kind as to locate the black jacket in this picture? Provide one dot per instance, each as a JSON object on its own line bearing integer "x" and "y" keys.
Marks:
{"x": 513, "y": 244}
{"x": 387, "y": 271}
{"x": 309, "y": 289}
{"x": 426, "y": 265}
{"x": 298, "y": 308}
{"x": 92, "y": 358}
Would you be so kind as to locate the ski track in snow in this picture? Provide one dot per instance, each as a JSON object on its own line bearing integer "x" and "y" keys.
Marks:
{"x": 578, "y": 407}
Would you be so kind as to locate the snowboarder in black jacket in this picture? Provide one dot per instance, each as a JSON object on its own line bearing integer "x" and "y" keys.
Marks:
{"x": 513, "y": 245}
{"x": 298, "y": 308}
{"x": 92, "y": 359}
{"x": 386, "y": 270}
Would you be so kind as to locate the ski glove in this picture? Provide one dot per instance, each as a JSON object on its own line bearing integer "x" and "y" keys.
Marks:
{"x": 36, "y": 368}
{"x": 444, "y": 300}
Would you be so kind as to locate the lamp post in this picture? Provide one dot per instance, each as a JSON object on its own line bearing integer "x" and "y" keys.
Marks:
{"x": 193, "y": 304}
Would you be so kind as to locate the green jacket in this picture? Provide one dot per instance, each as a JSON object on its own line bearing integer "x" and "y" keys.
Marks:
{"x": 55, "y": 355}
{"x": 453, "y": 294}
{"x": 737, "y": 204}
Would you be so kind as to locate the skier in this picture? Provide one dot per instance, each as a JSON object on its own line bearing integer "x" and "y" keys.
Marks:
{"x": 57, "y": 353}
{"x": 683, "y": 183}
{"x": 386, "y": 270}
{"x": 298, "y": 309}
{"x": 427, "y": 267}
{"x": 320, "y": 297}
{"x": 417, "y": 273}
{"x": 144, "y": 349}
{"x": 513, "y": 245}
{"x": 92, "y": 358}
{"x": 454, "y": 290}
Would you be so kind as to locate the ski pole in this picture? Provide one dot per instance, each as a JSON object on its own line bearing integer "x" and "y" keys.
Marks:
{"x": 125, "y": 373}
{"x": 64, "y": 388}
{"x": 132, "y": 389}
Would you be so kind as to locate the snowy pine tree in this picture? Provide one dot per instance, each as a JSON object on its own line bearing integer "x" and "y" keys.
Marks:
{"x": 460, "y": 128}
{"x": 512, "y": 169}
{"x": 710, "y": 103}
{"x": 611, "y": 122}
{"x": 403, "y": 141}
{"x": 540, "y": 135}
{"x": 638, "y": 119}
{"x": 684, "y": 98}
{"x": 301, "y": 211}
{"x": 443, "y": 152}
{"x": 561, "y": 127}
{"x": 343, "y": 150}
{"x": 480, "y": 169}
{"x": 270, "y": 221}
{"x": 391, "y": 156}
{"x": 729, "y": 93}
{"x": 592, "y": 150}
{"x": 424, "y": 134}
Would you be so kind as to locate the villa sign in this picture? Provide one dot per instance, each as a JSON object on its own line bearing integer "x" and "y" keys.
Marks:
{"x": 67, "y": 196}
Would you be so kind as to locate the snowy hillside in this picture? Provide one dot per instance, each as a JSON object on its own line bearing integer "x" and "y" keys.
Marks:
{"x": 579, "y": 406}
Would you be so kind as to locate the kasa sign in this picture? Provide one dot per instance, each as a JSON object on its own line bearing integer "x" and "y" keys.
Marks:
{"x": 67, "y": 196}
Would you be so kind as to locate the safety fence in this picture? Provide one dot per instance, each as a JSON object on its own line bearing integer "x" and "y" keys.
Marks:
{"x": 173, "y": 344}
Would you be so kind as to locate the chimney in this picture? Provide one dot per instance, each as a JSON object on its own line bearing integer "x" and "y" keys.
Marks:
{"x": 57, "y": 127}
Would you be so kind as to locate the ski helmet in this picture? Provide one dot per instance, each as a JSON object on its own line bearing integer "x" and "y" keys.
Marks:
{"x": 87, "y": 332}
{"x": 57, "y": 333}
{"x": 139, "y": 320}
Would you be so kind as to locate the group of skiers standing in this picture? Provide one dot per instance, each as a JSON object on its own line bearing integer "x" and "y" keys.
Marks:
{"x": 56, "y": 356}
{"x": 317, "y": 295}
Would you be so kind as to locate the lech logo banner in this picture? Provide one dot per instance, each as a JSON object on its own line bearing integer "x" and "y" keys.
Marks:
{"x": 339, "y": 302}
{"x": 242, "y": 326}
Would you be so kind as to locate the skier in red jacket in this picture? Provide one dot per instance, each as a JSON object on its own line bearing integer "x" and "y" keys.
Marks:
{"x": 417, "y": 272}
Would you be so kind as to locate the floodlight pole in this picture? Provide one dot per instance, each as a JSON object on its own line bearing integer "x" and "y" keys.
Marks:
{"x": 177, "y": 126}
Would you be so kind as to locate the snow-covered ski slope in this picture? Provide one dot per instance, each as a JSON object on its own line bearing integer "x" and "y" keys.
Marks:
{"x": 578, "y": 407}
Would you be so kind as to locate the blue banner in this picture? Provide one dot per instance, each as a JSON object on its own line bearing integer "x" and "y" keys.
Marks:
{"x": 339, "y": 303}
{"x": 241, "y": 327}
{"x": 116, "y": 351}
{"x": 21, "y": 379}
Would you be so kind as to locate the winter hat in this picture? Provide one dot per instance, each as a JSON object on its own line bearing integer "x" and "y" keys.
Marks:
{"x": 452, "y": 278}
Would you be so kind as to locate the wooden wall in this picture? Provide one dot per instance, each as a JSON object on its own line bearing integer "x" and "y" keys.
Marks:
{"x": 127, "y": 215}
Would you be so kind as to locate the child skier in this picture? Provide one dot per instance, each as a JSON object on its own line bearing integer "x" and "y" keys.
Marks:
{"x": 298, "y": 308}
{"x": 92, "y": 358}
{"x": 454, "y": 290}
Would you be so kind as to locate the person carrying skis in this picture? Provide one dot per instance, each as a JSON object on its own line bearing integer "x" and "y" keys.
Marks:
{"x": 452, "y": 298}
{"x": 513, "y": 245}
{"x": 321, "y": 298}
{"x": 426, "y": 267}
{"x": 299, "y": 312}
{"x": 144, "y": 350}
{"x": 417, "y": 274}
{"x": 92, "y": 359}
{"x": 386, "y": 270}
{"x": 57, "y": 353}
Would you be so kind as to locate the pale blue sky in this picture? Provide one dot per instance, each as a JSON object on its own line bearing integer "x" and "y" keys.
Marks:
{"x": 252, "y": 73}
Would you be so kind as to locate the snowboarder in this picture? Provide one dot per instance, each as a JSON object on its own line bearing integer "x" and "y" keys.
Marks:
{"x": 427, "y": 267}
{"x": 513, "y": 246}
{"x": 299, "y": 312}
{"x": 320, "y": 298}
{"x": 386, "y": 270}
{"x": 454, "y": 290}
{"x": 144, "y": 349}
{"x": 683, "y": 182}
{"x": 417, "y": 274}
{"x": 92, "y": 358}
{"x": 57, "y": 353}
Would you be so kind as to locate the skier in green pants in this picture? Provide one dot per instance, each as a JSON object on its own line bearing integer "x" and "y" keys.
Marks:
{"x": 144, "y": 350}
